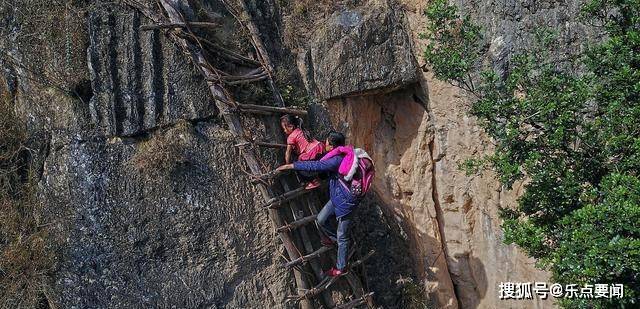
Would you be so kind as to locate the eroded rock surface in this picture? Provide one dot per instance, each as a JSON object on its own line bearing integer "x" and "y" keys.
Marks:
{"x": 421, "y": 133}
{"x": 357, "y": 50}
{"x": 140, "y": 186}
{"x": 159, "y": 223}
{"x": 139, "y": 79}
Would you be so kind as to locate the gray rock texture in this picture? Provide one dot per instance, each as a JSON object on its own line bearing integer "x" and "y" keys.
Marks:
{"x": 418, "y": 139}
{"x": 141, "y": 189}
{"x": 511, "y": 26}
{"x": 139, "y": 79}
{"x": 161, "y": 222}
{"x": 359, "y": 50}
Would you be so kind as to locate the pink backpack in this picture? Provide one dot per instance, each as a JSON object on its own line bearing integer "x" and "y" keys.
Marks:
{"x": 362, "y": 179}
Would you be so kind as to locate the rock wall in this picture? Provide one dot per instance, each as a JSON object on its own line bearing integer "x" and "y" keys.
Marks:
{"x": 453, "y": 223}
{"x": 139, "y": 80}
{"x": 421, "y": 133}
{"x": 140, "y": 184}
{"x": 359, "y": 49}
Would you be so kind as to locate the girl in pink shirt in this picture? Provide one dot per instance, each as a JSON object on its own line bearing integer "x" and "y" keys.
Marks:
{"x": 300, "y": 143}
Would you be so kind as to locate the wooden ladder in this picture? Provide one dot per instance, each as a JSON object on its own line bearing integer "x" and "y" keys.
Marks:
{"x": 310, "y": 281}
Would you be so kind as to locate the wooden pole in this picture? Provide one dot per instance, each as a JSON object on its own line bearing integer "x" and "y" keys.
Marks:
{"x": 356, "y": 302}
{"x": 277, "y": 201}
{"x": 296, "y": 224}
{"x": 178, "y": 25}
{"x": 271, "y": 145}
{"x": 283, "y": 110}
{"x": 235, "y": 127}
{"x": 310, "y": 256}
{"x": 325, "y": 284}
{"x": 248, "y": 22}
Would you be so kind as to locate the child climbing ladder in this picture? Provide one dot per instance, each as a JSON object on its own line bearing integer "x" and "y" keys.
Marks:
{"x": 178, "y": 13}
{"x": 300, "y": 143}
{"x": 343, "y": 198}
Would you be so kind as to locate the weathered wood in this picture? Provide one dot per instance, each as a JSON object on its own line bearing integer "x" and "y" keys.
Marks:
{"x": 256, "y": 112}
{"x": 277, "y": 201}
{"x": 267, "y": 176}
{"x": 248, "y": 80}
{"x": 356, "y": 302}
{"x": 296, "y": 224}
{"x": 179, "y": 25}
{"x": 227, "y": 53}
{"x": 296, "y": 211}
{"x": 246, "y": 20}
{"x": 268, "y": 145}
{"x": 250, "y": 75}
{"x": 271, "y": 145}
{"x": 352, "y": 280}
{"x": 235, "y": 128}
{"x": 222, "y": 98}
{"x": 325, "y": 284}
{"x": 283, "y": 110}
{"x": 310, "y": 256}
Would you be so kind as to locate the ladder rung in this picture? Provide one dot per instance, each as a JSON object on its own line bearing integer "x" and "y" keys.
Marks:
{"x": 255, "y": 111}
{"x": 310, "y": 256}
{"x": 271, "y": 145}
{"x": 248, "y": 80}
{"x": 262, "y": 144}
{"x": 356, "y": 302}
{"x": 272, "y": 109}
{"x": 249, "y": 75}
{"x": 267, "y": 176}
{"x": 298, "y": 223}
{"x": 328, "y": 281}
{"x": 287, "y": 196}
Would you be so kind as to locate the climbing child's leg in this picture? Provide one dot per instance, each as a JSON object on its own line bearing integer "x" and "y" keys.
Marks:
{"x": 344, "y": 240}
{"x": 323, "y": 220}
{"x": 311, "y": 178}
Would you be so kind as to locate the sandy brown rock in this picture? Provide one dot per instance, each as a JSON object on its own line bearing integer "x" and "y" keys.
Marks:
{"x": 418, "y": 137}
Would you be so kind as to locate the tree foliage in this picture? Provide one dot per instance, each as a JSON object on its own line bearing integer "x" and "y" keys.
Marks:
{"x": 574, "y": 137}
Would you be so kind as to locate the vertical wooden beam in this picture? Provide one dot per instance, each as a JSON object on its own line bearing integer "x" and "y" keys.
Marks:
{"x": 233, "y": 121}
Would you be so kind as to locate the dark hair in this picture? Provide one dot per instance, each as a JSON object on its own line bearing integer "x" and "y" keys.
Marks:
{"x": 335, "y": 139}
{"x": 296, "y": 122}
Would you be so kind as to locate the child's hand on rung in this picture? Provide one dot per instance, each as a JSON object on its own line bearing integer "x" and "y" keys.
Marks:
{"x": 284, "y": 167}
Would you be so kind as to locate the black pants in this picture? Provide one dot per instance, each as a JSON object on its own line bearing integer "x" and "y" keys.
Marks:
{"x": 309, "y": 176}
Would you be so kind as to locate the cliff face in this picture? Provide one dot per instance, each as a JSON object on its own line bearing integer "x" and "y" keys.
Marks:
{"x": 140, "y": 184}
{"x": 142, "y": 189}
{"x": 419, "y": 132}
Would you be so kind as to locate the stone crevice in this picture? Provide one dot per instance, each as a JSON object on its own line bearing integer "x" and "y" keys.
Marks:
{"x": 439, "y": 214}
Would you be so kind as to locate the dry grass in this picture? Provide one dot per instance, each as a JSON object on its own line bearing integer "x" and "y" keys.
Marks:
{"x": 52, "y": 37}
{"x": 165, "y": 150}
{"x": 302, "y": 17}
{"x": 26, "y": 257}
{"x": 414, "y": 296}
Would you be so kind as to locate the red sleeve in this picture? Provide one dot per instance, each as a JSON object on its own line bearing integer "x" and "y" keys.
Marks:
{"x": 292, "y": 139}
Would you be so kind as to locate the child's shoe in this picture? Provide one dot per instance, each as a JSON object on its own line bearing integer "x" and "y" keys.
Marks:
{"x": 334, "y": 272}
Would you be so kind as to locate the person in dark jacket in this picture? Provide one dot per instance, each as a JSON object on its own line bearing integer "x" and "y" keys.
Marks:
{"x": 340, "y": 205}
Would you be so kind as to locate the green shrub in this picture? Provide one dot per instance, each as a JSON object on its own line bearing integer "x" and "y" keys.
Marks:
{"x": 574, "y": 137}
{"x": 454, "y": 44}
